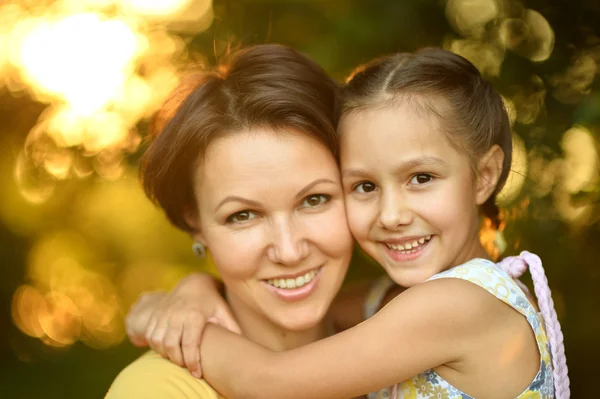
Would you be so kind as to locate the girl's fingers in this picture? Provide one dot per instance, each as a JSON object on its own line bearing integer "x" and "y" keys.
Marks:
{"x": 172, "y": 341}
{"x": 190, "y": 345}
{"x": 150, "y": 329}
{"x": 157, "y": 336}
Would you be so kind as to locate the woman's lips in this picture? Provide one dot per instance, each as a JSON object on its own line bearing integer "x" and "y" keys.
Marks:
{"x": 295, "y": 289}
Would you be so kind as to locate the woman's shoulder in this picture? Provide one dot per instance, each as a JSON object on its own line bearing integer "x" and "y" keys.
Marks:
{"x": 152, "y": 376}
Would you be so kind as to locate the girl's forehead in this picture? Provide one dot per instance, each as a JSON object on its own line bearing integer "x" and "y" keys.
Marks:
{"x": 394, "y": 128}
{"x": 393, "y": 136}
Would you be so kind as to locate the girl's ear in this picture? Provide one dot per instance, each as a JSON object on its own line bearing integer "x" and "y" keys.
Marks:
{"x": 192, "y": 219}
{"x": 489, "y": 170}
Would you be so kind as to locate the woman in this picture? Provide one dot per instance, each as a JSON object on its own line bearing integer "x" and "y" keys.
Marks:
{"x": 247, "y": 165}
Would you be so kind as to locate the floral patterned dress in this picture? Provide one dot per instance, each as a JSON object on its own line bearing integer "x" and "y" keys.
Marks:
{"x": 492, "y": 278}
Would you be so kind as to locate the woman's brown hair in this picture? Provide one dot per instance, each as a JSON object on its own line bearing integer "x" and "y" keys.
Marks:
{"x": 444, "y": 84}
{"x": 264, "y": 86}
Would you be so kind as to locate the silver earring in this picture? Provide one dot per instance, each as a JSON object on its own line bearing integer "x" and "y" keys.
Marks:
{"x": 199, "y": 250}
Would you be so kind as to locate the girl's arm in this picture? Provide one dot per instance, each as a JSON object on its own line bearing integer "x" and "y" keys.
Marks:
{"x": 348, "y": 307}
{"x": 424, "y": 327}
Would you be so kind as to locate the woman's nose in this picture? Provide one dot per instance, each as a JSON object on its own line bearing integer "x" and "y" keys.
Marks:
{"x": 289, "y": 245}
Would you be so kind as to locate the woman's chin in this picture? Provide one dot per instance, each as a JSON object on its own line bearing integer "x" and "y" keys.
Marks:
{"x": 300, "y": 319}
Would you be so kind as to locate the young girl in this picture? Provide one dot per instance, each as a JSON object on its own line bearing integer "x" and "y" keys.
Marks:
{"x": 425, "y": 148}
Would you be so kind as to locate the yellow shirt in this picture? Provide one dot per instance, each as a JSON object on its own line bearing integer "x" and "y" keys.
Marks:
{"x": 154, "y": 377}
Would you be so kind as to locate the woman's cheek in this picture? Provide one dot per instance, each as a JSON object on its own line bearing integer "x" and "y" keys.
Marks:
{"x": 237, "y": 254}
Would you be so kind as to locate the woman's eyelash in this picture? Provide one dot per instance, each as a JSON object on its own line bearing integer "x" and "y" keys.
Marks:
{"x": 321, "y": 199}
{"x": 241, "y": 216}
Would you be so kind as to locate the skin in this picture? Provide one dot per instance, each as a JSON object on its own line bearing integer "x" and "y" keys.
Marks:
{"x": 454, "y": 327}
{"x": 270, "y": 205}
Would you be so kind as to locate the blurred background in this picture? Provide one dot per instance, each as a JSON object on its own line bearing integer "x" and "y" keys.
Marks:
{"x": 79, "y": 80}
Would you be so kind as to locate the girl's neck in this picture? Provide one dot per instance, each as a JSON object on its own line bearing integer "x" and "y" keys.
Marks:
{"x": 263, "y": 331}
{"x": 474, "y": 249}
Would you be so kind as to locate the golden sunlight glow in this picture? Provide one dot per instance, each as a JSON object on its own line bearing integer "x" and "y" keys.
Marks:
{"x": 102, "y": 66}
{"x": 571, "y": 85}
{"x": 486, "y": 57}
{"x": 67, "y": 302}
{"x": 470, "y": 16}
{"x": 163, "y": 8}
{"x": 581, "y": 159}
{"x": 530, "y": 36}
{"x": 518, "y": 172}
{"x": 530, "y": 100}
{"x": 82, "y": 59}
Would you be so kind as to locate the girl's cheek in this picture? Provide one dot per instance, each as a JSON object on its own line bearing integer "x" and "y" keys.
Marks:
{"x": 359, "y": 219}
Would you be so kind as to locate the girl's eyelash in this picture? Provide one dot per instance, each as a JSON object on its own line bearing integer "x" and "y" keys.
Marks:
{"x": 357, "y": 185}
{"x": 429, "y": 176}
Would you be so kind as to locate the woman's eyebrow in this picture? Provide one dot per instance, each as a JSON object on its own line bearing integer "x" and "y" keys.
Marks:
{"x": 234, "y": 198}
{"x": 309, "y": 186}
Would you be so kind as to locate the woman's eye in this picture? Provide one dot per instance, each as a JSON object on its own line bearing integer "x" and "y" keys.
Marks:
{"x": 421, "y": 178}
{"x": 365, "y": 187}
{"x": 241, "y": 217}
{"x": 315, "y": 200}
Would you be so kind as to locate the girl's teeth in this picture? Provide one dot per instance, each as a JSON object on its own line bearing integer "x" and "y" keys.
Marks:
{"x": 407, "y": 247}
{"x": 292, "y": 283}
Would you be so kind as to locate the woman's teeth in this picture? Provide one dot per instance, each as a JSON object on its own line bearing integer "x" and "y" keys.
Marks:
{"x": 290, "y": 283}
{"x": 409, "y": 247}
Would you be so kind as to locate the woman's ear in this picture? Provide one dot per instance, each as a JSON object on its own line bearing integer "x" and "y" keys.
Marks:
{"x": 192, "y": 219}
{"x": 489, "y": 170}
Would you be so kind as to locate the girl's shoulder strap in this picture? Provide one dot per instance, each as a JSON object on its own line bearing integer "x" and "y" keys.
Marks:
{"x": 515, "y": 267}
{"x": 497, "y": 279}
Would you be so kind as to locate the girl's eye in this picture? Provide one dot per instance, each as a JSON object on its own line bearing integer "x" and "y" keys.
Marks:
{"x": 421, "y": 178}
{"x": 315, "y": 200}
{"x": 365, "y": 187}
{"x": 241, "y": 217}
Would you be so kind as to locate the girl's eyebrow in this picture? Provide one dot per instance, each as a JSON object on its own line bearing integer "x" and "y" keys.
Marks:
{"x": 422, "y": 161}
{"x": 353, "y": 172}
{"x": 405, "y": 165}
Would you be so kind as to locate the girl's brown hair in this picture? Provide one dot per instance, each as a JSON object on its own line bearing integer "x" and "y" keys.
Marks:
{"x": 264, "y": 86}
{"x": 437, "y": 81}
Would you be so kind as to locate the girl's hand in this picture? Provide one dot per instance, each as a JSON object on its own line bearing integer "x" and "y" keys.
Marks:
{"x": 172, "y": 324}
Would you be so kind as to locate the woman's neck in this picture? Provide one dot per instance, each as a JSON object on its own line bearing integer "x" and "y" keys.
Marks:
{"x": 263, "y": 331}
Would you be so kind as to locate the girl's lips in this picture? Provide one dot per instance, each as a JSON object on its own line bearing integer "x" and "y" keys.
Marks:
{"x": 406, "y": 255}
{"x": 296, "y": 294}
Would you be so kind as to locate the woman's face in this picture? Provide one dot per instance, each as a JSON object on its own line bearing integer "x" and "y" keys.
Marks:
{"x": 271, "y": 211}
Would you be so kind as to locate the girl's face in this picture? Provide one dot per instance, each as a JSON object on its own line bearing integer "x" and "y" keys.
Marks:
{"x": 411, "y": 197}
{"x": 271, "y": 211}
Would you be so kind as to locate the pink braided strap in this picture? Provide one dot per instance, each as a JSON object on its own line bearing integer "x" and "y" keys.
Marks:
{"x": 515, "y": 266}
